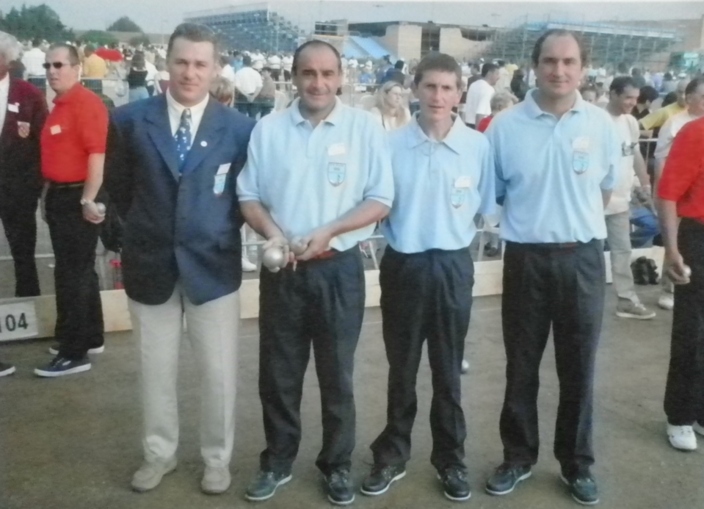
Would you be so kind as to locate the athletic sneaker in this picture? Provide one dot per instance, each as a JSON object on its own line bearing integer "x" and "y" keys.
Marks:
{"x": 6, "y": 369}
{"x": 582, "y": 487}
{"x": 455, "y": 484}
{"x": 54, "y": 350}
{"x": 630, "y": 309}
{"x": 667, "y": 301}
{"x": 339, "y": 487}
{"x": 381, "y": 478}
{"x": 506, "y": 478}
{"x": 248, "y": 266}
{"x": 682, "y": 437}
{"x": 60, "y": 366}
{"x": 264, "y": 485}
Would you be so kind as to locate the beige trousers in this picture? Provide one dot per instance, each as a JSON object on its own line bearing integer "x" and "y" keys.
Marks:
{"x": 212, "y": 331}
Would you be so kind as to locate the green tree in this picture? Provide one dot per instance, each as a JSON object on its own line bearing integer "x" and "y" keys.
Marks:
{"x": 124, "y": 24}
{"x": 99, "y": 37}
{"x": 36, "y": 22}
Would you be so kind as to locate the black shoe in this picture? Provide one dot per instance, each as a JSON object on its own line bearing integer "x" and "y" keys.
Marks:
{"x": 339, "y": 487}
{"x": 506, "y": 477}
{"x": 6, "y": 369}
{"x": 652, "y": 272}
{"x": 582, "y": 487}
{"x": 640, "y": 271}
{"x": 454, "y": 480}
{"x": 381, "y": 477}
{"x": 264, "y": 485}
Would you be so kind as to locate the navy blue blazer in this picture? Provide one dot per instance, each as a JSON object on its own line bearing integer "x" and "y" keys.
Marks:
{"x": 176, "y": 227}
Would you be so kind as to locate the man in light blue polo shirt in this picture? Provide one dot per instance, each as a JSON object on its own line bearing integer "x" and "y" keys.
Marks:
{"x": 319, "y": 178}
{"x": 443, "y": 176}
{"x": 557, "y": 159}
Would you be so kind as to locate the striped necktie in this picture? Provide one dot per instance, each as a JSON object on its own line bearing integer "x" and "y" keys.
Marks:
{"x": 183, "y": 137}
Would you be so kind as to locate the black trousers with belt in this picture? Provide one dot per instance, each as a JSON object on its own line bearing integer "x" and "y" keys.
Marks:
{"x": 684, "y": 394}
{"x": 79, "y": 321}
{"x": 425, "y": 295}
{"x": 321, "y": 303}
{"x": 563, "y": 287}
{"x": 18, "y": 212}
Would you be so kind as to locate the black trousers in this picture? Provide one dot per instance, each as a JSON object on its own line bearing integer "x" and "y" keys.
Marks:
{"x": 322, "y": 303}
{"x": 684, "y": 394}
{"x": 561, "y": 287}
{"x": 79, "y": 321}
{"x": 425, "y": 295}
{"x": 18, "y": 212}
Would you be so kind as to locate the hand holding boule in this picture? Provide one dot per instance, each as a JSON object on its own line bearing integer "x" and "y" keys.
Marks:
{"x": 273, "y": 258}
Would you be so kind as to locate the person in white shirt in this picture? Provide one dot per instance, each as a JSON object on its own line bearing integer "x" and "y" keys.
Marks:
{"x": 479, "y": 95}
{"x": 694, "y": 101}
{"x": 33, "y": 60}
{"x": 622, "y": 99}
{"x": 286, "y": 63}
{"x": 258, "y": 60}
{"x": 226, "y": 70}
{"x": 274, "y": 63}
{"x": 248, "y": 84}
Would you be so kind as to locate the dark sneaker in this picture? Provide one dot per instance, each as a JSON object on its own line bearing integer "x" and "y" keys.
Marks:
{"x": 381, "y": 477}
{"x": 339, "y": 487}
{"x": 60, "y": 366}
{"x": 264, "y": 485}
{"x": 6, "y": 369}
{"x": 506, "y": 477}
{"x": 454, "y": 480}
{"x": 54, "y": 349}
{"x": 582, "y": 487}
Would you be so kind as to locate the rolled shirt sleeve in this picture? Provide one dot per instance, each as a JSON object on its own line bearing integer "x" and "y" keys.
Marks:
{"x": 380, "y": 184}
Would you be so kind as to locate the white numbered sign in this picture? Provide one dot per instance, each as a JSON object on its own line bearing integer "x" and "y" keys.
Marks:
{"x": 18, "y": 320}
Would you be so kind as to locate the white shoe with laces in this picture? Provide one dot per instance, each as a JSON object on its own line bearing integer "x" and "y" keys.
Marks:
{"x": 682, "y": 437}
{"x": 248, "y": 266}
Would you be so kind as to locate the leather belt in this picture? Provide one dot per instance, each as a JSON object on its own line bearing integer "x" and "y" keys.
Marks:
{"x": 65, "y": 185}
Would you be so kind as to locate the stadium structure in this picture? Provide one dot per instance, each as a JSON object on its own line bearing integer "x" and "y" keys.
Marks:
{"x": 409, "y": 30}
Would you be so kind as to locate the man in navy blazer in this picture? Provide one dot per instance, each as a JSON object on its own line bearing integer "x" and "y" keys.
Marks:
{"x": 22, "y": 114}
{"x": 171, "y": 168}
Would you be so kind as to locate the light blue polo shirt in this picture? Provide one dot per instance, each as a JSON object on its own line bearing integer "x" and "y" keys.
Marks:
{"x": 550, "y": 172}
{"x": 440, "y": 186}
{"x": 308, "y": 177}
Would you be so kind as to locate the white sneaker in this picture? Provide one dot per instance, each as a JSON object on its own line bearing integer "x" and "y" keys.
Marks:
{"x": 698, "y": 429}
{"x": 151, "y": 473}
{"x": 682, "y": 437}
{"x": 248, "y": 266}
{"x": 630, "y": 309}
{"x": 667, "y": 301}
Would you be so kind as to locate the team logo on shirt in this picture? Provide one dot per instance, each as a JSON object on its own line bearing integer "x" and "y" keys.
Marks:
{"x": 337, "y": 173}
{"x": 580, "y": 155}
{"x": 460, "y": 189}
{"x": 628, "y": 149}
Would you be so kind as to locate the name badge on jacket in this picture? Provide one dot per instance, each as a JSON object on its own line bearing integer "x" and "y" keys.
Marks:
{"x": 220, "y": 179}
{"x": 13, "y": 107}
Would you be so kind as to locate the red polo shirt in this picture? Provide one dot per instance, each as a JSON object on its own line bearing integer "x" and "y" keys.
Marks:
{"x": 76, "y": 128}
{"x": 683, "y": 177}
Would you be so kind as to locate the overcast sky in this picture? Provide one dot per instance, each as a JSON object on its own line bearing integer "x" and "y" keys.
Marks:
{"x": 162, "y": 15}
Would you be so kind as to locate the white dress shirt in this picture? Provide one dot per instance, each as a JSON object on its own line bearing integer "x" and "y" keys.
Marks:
{"x": 4, "y": 91}
{"x": 176, "y": 110}
{"x": 33, "y": 61}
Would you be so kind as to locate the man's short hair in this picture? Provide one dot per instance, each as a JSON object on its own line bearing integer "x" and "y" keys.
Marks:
{"x": 647, "y": 93}
{"x": 317, "y": 43}
{"x": 73, "y": 57}
{"x": 36, "y": 42}
{"x": 399, "y": 65}
{"x": 438, "y": 62}
{"x": 89, "y": 49}
{"x": 694, "y": 85}
{"x": 487, "y": 68}
{"x": 559, "y": 32}
{"x": 621, "y": 83}
{"x": 194, "y": 32}
{"x": 246, "y": 60}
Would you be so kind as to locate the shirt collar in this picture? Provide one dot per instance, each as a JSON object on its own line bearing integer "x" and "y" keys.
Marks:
{"x": 333, "y": 118}
{"x": 177, "y": 108}
{"x": 69, "y": 95}
{"x": 453, "y": 139}
{"x": 535, "y": 111}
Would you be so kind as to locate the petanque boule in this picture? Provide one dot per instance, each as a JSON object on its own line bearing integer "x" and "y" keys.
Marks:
{"x": 298, "y": 247}
{"x": 273, "y": 258}
{"x": 687, "y": 271}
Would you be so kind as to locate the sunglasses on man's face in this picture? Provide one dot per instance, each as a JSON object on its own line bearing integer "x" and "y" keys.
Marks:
{"x": 55, "y": 65}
